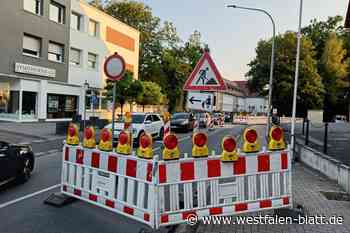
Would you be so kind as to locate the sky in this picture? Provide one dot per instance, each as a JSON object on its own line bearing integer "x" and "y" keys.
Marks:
{"x": 232, "y": 34}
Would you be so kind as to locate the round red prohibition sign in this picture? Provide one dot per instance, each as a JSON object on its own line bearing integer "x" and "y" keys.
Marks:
{"x": 114, "y": 67}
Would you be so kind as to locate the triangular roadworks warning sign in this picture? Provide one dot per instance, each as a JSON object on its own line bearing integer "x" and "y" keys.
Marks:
{"x": 205, "y": 76}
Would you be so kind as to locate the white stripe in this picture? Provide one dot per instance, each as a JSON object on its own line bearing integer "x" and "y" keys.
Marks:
{"x": 28, "y": 196}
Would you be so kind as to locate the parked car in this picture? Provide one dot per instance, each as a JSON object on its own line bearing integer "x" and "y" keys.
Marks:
{"x": 182, "y": 121}
{"x": 340, "y": 118}
{"x": 16, "y": 162}
{"x": 150, "y": 123}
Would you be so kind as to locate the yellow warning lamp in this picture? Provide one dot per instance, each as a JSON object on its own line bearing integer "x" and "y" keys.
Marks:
{"x": 276, "y": 138}
{"x": 124, "y": 143}
{"x": 127, "y": 120}
{"x": 250, "y": 138}
{"x": 200, "y": 148}
{"x": 89, "y": 137}
{"x": 229, "y": 149}
{"x": 73, "y": 134}
{"x": 166, "y": 116}
{"x": 145, "y": 149}
{"x": 171, "y": 150}
{"x": 105, "y": 140}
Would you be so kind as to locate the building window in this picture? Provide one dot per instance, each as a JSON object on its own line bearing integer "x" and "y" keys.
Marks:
{"x": 56, "y": 52}
{"x": 93, "y": 27}
{"x": 75, "y": 21}
{"x": 61, "y": 106}
{"x": 57, "y": 12}
{"x": 34, "y": 6}
{"x": 74, "y": 57}
{"x": 31, "y": 46}
{"x": 92, "y": 61}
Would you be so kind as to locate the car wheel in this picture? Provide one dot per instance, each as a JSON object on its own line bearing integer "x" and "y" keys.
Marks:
{"x": 26, "y": 170}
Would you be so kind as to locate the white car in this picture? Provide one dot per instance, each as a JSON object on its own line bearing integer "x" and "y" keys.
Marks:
{"x": 150, "y": 123}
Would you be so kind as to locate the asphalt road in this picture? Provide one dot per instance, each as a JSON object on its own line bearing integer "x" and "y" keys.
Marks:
{"x": 22, "y": 209}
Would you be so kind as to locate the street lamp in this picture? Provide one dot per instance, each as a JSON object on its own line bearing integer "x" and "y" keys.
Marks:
{"x": 296, "y": 77}
{"x": 272, "y": 58}
{"x": 86, "y": 87}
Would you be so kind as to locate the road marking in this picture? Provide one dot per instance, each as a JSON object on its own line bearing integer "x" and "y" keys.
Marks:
{"x": 3, "y": 205}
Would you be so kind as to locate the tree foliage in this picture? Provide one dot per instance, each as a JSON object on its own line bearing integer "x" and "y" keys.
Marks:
{"x": 151, "y": 94}
{"x": 127, "y": 90}
{"x": 310, "y": 92}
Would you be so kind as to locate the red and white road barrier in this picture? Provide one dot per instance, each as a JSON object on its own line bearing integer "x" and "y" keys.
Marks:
{"x": 242, "y": 120}
{"x": 150, "y": 191}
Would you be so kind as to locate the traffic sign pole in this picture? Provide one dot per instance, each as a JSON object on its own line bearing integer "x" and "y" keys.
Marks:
{"x": 113, "y": 110}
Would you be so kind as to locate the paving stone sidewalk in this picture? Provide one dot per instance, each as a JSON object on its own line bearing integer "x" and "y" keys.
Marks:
{"x": 307, "y": 185}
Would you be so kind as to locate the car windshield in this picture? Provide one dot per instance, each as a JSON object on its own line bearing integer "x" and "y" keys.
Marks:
{"x": 136, "y": 119}
{"x": 180, "y": 116}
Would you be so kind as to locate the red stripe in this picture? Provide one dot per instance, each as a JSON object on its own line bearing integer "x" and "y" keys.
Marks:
{"x": 265, "y": 203}
{"x": 77, "y": 192}
{"x": 241, "y": 207}
{"x": 110, "y": 203}
{"x": 263, "y": 163}
{"x": 239, "y": 167}
{"x": 284, "y": 160}
{"x": 187, "y": 171}
{"x": 214, "y": 168}
{"x": 128, "y": 210}
{"x": 64, "y": 188}
{"x": 188, "y": 213}
{"x": 164, "y": 218}
{"x": 66, "y": 154}
{"x": 286, "y": 201}
{"x": 162, "y": 173}
{"x": 92, "y": 197}
{"x": 215, "y": 210}
{"x": 112, "y": 163}
{"x": 149, "y": 172}
{"x": 79, "y": 156}
{"x": 95, "y": 160}
{"x": 146, "y": 217}
{"x": 131, "y": 167}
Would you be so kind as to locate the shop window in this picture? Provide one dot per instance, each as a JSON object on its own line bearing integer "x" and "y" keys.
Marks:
{"x": 56, "y": 52}
{"x": 29, "y": 100}
{"x": 9, "y": 102}
{"x": 61, "y": 106}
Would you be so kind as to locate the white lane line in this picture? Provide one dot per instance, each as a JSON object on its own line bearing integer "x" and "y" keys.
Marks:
{"x": 3, "y": 205}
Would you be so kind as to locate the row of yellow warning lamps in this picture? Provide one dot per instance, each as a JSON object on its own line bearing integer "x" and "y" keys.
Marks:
{"x": 171, "y": 150}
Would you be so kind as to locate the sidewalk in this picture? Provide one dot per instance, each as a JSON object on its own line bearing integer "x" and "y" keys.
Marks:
{"x": 307, "y": 185}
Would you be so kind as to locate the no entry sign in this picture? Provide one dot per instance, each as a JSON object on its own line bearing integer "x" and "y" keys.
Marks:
{"x": 114, "y": 67}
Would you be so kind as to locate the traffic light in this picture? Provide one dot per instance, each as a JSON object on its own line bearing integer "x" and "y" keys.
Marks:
{"x": 145, "y": 149}
{"x": 250, "y": 138}
{"x": 124, "y": 142}
{"x": 73, "y": 134}
{"x": 276, "y": 138}
{"x": 229, "y": 149}
{"x": 105, "y": 140}
{"x": 200, "y": 148}
{"x": 89, "y": 137}
{"x": 171, "y": 150}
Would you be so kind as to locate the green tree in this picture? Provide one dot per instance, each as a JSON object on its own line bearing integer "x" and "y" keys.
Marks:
{"x": 127, "y": 90}
{"x": 334, "y": 71}
{"x": 151, "y": 94}
{"x": 310, "y": 91}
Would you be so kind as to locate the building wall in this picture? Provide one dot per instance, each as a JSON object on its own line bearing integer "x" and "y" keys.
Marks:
{"x": 15, "y": 21}
{"x": 256, "y": 104}
{"x": 113, "y": 36}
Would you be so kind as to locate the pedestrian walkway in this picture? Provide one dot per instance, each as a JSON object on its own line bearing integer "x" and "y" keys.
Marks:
{"x": 307, "y": 187}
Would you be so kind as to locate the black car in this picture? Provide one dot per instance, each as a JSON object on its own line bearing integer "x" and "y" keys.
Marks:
{"x": 182, "y": 121}
{"x": 16, "y": 162}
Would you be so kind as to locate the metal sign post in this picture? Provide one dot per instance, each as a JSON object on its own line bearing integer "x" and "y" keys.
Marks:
{"x": 114, "y": 68}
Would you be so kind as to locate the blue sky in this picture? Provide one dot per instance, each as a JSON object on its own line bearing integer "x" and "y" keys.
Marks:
{"x": 232, "y": 34}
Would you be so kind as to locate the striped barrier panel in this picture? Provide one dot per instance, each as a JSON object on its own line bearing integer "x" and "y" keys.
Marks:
{"x": 240, "y": 120}
{"x": 160, "y": 193}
